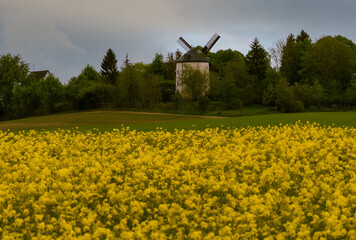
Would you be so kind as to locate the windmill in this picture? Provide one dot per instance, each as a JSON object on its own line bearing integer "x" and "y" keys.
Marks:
{"x": 193, "y": 58}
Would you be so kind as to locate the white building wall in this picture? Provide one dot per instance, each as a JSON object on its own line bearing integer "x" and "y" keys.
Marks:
{"x": 202, "y": 66}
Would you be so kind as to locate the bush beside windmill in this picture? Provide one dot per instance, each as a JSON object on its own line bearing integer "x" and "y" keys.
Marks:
{"x": 190, "y": 61}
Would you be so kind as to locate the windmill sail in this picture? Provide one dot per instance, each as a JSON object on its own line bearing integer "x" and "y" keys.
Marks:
{"x": 184, "y": 44}
{"x": 210, "y": 43}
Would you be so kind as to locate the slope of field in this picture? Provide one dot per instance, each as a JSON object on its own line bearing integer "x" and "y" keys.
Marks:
{"x": 97, "y": 119}
{"x": 108, "y": 120}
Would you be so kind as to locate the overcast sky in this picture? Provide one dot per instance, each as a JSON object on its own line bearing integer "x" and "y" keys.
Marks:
{"x": 64, "y": 36}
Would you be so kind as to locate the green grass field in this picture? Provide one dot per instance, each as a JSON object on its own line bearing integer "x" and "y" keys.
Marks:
{"x": 108, "y": 120}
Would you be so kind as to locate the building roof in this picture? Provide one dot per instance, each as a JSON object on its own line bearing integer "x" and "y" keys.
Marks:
{"x": 193, "y": 56}
{"x": 40, "y": 74}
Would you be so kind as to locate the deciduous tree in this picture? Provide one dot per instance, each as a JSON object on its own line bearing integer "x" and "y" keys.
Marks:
{"x": 13, "y": 71}
{"x": 276, "y": 52}
{"x": 195, "y": 82}
{"x": 334, "y": 63}
{"x": 51, "y": 92}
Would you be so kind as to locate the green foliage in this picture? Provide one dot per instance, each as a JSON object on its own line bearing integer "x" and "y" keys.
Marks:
{"x": 244, "y": 82}
{"x": 257, "y": 62}
{"x": 289, "y": 62}
{"x": 109, "y": 71}
{"x": 331, "y": 61}
{"x": 352, "y": 46}
{"x": 195, "y": 82}
{"x": 302, "y": 37}
{"x": 168, "y": 88}
{"x": 239, "y": 72}
{"x": 171, "y": 66}
{"x": 307, "y": 69}
{"x": 222, "y": 57}
{"x": 139, "y": 87}
{"x": 294, "y": 53}
{"x": 346, "y": 41}
{"x": 228, "y": 93}
{"x": 51, "y": 93}
{"x": 85, "y": 91}
{"x": 129, "y": 86}
{"x": 203, "y": 102}
{"x": 309, "y": 95}
{"x": 250, "y": 95}
{"x": 158, "y": 67}
{"x": 13, "y": 72}
{"x": 318, "y": 94}
{"x": 351, "y": 93}
{"x": 272, "y": 76}
{"x": 89, "y": 74}
{"x": 245, "y": 90}
{"x": 334, "y": 62}
{"x": 236, "y": 87}
{"x": 89, "y": 97}
{"x": 214, "y": 88}
{"x": 171, "y": 62}
{"x": 282, "y": 96}
{"x": 177, "y": 100}
{"x": 150, "y": 90}
{"x": 26, "y": 100}
{"x": 304, "y": 93}
{"x": 320, "y": 73}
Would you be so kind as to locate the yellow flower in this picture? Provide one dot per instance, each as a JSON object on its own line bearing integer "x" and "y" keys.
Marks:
{"x": 280, "y": 182}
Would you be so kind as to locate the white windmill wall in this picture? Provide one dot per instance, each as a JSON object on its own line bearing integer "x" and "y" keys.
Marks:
{"x": 180, "y": 66}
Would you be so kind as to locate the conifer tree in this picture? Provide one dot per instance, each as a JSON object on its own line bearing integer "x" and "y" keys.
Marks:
{"x": 171, "y": 66}
{"x": 295, "y": 52}
{"x": 109, "y": 71}
{"x": 158, "y": 67}
{"x": 257, "y": 61}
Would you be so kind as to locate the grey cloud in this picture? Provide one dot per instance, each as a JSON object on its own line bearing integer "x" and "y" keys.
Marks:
{"x": 66, "y": 35}
{"x": 33, "y": 33}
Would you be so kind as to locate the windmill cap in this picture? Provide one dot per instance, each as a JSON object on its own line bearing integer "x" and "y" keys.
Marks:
{"x": 193, "y": 56}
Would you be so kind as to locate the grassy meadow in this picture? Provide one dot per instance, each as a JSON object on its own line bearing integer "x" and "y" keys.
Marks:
{"x": 143, "y": 121}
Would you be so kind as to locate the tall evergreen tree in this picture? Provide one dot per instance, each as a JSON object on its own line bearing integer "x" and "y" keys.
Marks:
{"x": 257, "y": 61}
{"x": 302, "y": 36}
{"x": 129, "y": 84}
{"x": 171, "y": 66}
{"x": 289, "y": 59}
{"x": 109, "y": 71}
{"x": 158, "y": 67}
{"x": 294, "y": 53}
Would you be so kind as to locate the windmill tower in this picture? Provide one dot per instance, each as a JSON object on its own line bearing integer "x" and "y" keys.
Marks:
{"x": 194, "y": 59}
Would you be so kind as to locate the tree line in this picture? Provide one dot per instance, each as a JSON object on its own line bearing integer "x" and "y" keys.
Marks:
{"x": 294, "y": 74}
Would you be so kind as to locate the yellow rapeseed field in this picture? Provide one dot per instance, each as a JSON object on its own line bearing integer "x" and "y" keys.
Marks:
{"x": 284, "y": 182}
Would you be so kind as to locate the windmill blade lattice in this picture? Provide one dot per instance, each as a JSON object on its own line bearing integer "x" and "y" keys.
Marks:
{"x": 184, "y": 44}
{"x": 210, "y": 43}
